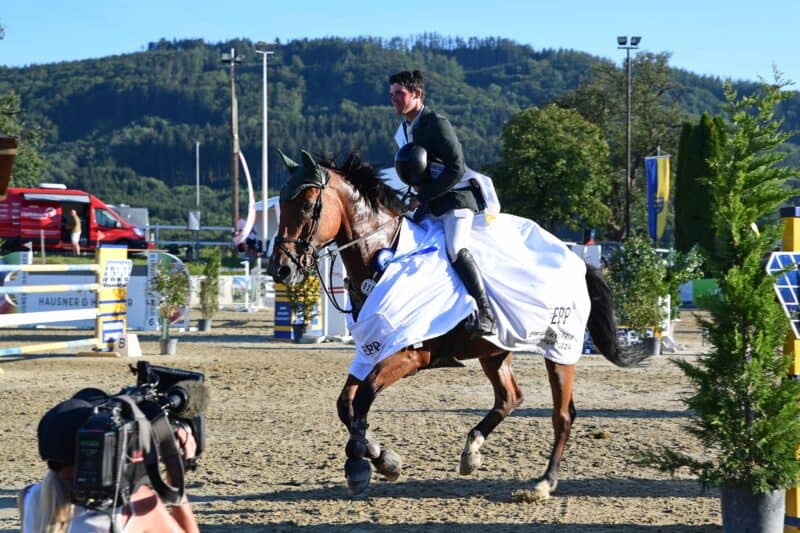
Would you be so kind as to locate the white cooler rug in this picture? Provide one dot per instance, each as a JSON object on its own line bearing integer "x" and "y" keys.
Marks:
{"x": 535, "y": 284}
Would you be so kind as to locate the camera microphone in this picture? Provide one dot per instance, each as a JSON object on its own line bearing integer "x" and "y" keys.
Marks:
{"x": 188, "y": 398}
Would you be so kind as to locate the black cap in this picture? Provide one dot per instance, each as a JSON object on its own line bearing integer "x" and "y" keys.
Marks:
{"x": 91, "y": 395}
{"x": 58, "y": 429}
{"x": 410, "y": 163}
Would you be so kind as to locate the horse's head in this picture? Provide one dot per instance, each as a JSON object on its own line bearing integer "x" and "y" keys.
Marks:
{"x": 305, "y": 225}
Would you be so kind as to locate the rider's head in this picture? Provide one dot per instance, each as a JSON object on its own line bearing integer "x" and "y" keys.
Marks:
{"x": 411, "y": 80}
{"x": 407, "y": 91}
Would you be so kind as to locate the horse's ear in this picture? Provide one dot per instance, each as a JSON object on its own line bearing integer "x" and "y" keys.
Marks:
{"x": 308, "y": 160}
{"x": 290, "y": 164}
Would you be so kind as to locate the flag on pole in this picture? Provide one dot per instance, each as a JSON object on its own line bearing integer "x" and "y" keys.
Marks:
{"x": 657, "y": 168}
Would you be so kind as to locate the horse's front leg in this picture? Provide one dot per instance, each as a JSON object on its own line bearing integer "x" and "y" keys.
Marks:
{"x": 385, "y": 461}
{"x": 561, "y": 378}
{"x": 357, "y": 468}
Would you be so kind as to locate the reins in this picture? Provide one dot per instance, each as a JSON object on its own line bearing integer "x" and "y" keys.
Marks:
{"x": 335, "y": 253}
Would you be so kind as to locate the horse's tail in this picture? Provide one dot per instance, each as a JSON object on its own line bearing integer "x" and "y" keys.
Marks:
{"x": 603, "y": 326}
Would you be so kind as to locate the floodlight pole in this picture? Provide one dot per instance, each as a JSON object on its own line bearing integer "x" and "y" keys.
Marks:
{"x": 623, "y": 45}
{"x": 264, "y": 139}
{"x": 197, "y": 172}
{"x": 232, "y": 58}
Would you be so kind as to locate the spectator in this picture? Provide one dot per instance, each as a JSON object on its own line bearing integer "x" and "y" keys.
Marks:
{"x": 238, "y": 237}
{"x": 75, "y": 233}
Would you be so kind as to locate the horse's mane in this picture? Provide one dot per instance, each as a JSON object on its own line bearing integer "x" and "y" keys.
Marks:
{"x": 367, "y": 180}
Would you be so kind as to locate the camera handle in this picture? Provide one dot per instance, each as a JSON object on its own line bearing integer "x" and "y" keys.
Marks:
{"x": 166, "y": 449}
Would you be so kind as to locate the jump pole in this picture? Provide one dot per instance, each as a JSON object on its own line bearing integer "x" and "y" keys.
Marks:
{"x": 113, "y": 272}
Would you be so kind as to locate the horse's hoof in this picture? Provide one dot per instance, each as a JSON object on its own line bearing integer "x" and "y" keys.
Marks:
{"x": 470, "y": 462}
{"x": 358, "y": 473}
{"x": 543, "y": 489}
{"x": 373, "y": 448}
{"x": 388, "y": 464}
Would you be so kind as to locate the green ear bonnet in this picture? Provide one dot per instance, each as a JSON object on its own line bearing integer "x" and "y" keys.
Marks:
{"x": 309, "y": 174}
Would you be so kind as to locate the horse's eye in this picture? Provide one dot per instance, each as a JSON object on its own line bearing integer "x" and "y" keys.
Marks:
{"x": 308, "y": 207}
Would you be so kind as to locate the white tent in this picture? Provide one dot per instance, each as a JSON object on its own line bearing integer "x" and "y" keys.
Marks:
{"x": 273, "y": 215}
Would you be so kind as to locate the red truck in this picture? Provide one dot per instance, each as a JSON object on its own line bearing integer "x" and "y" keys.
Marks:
{"x": 30, "y": 215}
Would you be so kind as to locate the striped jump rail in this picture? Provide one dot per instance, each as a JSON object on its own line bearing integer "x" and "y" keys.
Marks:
{"x": 109, "y": 313}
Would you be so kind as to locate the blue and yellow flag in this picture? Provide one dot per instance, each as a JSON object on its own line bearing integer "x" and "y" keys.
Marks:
{"x": 657, "y": 194}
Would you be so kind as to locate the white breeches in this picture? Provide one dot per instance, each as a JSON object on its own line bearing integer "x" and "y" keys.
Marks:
{"x": 457, "y": 230}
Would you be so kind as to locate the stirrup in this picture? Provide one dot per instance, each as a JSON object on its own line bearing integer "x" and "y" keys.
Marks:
{"x": 473, "y": 325}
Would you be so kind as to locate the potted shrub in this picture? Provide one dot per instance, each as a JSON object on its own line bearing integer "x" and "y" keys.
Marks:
{"x": 636, "y": 275}
{"x": 172, "y": 285}
{"x": 304, "y": 301}
{"x": 209, "y": 289}
{"x": 745, "y": 408}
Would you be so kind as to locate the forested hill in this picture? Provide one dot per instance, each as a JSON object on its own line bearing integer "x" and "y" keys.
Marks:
{"x": 110, "y": 123}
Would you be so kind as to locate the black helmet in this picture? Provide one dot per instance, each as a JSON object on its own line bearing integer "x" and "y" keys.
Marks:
{"x": 411, "y": 162}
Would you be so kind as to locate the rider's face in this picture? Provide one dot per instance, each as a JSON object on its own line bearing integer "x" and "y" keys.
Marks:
{"x": 404, "y": 100}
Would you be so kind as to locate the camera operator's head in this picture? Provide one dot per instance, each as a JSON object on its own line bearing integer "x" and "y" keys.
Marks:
{"x": 57, "y": 431}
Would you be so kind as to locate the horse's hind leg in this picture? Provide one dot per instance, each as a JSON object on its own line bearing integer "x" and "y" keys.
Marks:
{"x": 507, "y": 397}
{"x": 561, "y": 378}
{"x": 385, "y": 461}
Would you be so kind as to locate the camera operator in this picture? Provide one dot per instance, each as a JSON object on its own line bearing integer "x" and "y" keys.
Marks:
{"x": 47, "y": 505}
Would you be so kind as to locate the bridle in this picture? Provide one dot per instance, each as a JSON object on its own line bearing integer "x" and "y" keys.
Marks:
{"x": 310, "y": 255}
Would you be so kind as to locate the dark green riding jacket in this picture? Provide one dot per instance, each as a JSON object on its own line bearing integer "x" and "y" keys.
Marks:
{"x": 435, "y": 133}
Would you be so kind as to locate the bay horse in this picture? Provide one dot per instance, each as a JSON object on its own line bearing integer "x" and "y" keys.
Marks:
{"x": 353, "y": 207}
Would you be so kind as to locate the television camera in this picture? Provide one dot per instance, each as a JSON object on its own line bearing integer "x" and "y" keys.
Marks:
{"x": 131, "y": 434}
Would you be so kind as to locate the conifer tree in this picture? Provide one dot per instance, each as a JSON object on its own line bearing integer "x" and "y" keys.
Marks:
{"x": 746, "y": 408}
{"x": 698, "y": 144}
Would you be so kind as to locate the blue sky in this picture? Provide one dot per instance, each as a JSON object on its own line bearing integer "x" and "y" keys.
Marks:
{"x": 726, "y": 38}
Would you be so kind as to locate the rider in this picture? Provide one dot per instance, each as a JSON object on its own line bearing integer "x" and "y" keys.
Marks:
{"x": 446, "y": 197}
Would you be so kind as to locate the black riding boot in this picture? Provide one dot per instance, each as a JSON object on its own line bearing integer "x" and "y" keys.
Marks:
{"x": 467, "y": 269}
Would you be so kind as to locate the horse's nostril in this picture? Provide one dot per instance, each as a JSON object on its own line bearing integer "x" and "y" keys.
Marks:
{"x": 283, "y": 273}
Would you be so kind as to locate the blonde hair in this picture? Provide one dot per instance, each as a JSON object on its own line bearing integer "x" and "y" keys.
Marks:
{"x": 55, "y": 506}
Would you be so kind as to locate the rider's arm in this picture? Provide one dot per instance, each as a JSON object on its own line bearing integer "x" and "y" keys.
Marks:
{"x": 443, "y": 143}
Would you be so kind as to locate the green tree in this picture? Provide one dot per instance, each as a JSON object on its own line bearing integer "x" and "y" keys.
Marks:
{"x": 698, "y": 144}
{"x": 554, "y": 168}
{"x": 745, "y": 405}
{"x": 209, "y": 286}
{"x": 29, "y": 165}
{"x": 656, "y": 116}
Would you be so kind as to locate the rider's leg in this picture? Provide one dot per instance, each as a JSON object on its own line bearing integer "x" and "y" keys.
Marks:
{"x": 457, "y": 230}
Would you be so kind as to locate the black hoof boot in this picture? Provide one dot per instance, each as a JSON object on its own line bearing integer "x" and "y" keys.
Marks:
{"x": 358, "y": 473}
